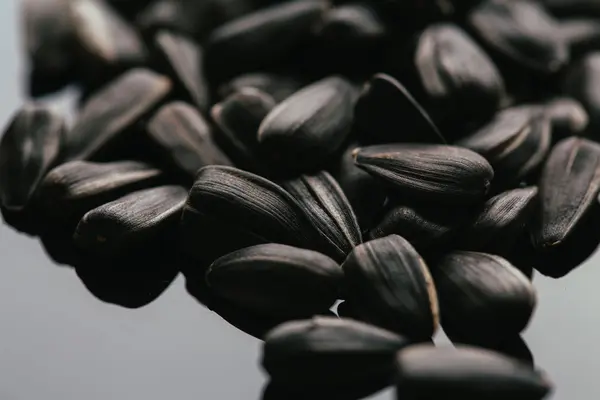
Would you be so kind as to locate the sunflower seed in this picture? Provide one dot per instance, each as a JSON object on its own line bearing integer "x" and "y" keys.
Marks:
{"x": 305, "y": 353}
{"x": 522, "y": 33}
{"x": 387, "y": 113}
{"x": 129, "y": 8}
{"x": 582, "y": 35}
{"x": 567, "y": 117}
{"x": 364, "y": 192}
{"x": 501, "y": 222}
{"x": 515, "y": 143}
{"x": 133, "y": 220}
{"x": 278, "y": 86}
{"x": 580, "y": 82}
{"x": 256, "y": 206}
{"x": 48, "y": 33}
{"x": 261, "y": 38}
{"x": 431, "y": 372}
{"x": 184, "y": 59}
{"x": 184, "y": 138}
{"x": 310, "y": 125}
{"x": 108, "y": 44}
{"x": 190, "y": 17}
{"x": 458, "y": 79}
{"x": 29, "y": 147}
{"x": 328, "y": 210}
{"x": 572, "y": 7}
{"x": 238, "y": 118}
{"x": 72, "y": 189}
{"x": 429, "y": 172}
{"x": 569, "y": 188}
{"x": 514, "y": 347}
{"x": 483, "y": 298}
{"x": 106, "y": 116}
{"x": 391, "y": 287}
{"x": 275, "y": 279}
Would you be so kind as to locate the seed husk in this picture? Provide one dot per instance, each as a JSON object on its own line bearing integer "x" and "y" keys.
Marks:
{"x": 307, "y": 127}
{"x": 387, "y": 113}
{"x": 569, "y": 189}
{"x": 567, "y": 118}
{"x": 74, "y": 188}
{"x": 580, "y": 82}
{"x": 466, "y": 372}
{"x": 501, "y": 222}
{"x": 364, "y": 192}
{"x": 389, "y": 284}
{"x": 522, "y": 33}
{"x": 305, "y": 352}
{"x": 107, "y": 43}
{"x": 276, "y": 280}
{"x": 483, "y": 298}
{"x": 278, "y": 86}
{"x": 328, "y": 210}
{"x": 572, "y": 7}
{"x": 105, "y": 117}
{"x": 458, "y": 80}
{"x": 238, "y": 118}
{"x": 183, "y": 58}
{"x": 261, "y": 38}
{"x": 582, "y": 35}
{"x": 48, "y": 33}
{"x": 135, "y": 219}
{"x": 184, "y": 138}
{"x": 515, "y": 143}
{"x": 29, "y": 147}
{"x": 249, "y": 202}
{"x": 429, "y": 172}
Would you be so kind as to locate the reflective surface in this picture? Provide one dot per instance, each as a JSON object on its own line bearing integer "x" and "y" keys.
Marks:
{"x": 59, "y": 342}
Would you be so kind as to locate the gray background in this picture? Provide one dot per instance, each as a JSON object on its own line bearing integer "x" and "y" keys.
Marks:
{"x": 57, "y": 342}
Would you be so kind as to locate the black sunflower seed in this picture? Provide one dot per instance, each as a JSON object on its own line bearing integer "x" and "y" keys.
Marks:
{"x": 192, "y": 17}
{"x": 278, "y": 86}
{"x": 184, "y": 138}
{"x": 387, "y": 113}
{"x": 429, "y": 172}
{"x": 582, "y": 35}
{"x": 389, "y": 284}
{"x": 483, "y": 298}
{"x": 104, "y": 119}
{"x": 276, "y": 280}
{"x": 567, "y": 117}
{"x": 133, "y": 220}
{"x": 307, "y": 127}
{"x": 580, "y": 82}
{"x": 431, "y": 372}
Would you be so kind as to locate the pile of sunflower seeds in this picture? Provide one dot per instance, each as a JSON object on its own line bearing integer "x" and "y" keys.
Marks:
{"x": 417, "y": 159}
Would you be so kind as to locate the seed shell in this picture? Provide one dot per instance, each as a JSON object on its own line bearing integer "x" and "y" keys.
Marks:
{"x": 278, "y": 86}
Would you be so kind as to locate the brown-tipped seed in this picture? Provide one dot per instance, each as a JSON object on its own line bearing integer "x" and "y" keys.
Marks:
{"x": 387, "y": 113}
{"x": 238, "y": 118}
{"x": 262, "y": 37}
{"x": 184, "y": 59}
{"x": 567, "y": 117}
{"x": 72, "y": 189}
{"x": 389, "y": 284}
{"x": 569, "y": 188}
{"x": 483, "y": 298}
{"x": 328, "y": 210}
{"x": 278, "y": 86}
{"x": 48, "y": 32}
{"x": 458, "y": 80}
{"x": 132, "y": 220}
{"x": 429, "y": 172}
{"x": 29, "y": 147}
{"x": 305, "y": 353}
{"x": 515, "y": 143}
{"x": 249, "y": 202}
{"x": 469, "y": 373}
{"x": 184, "y": 138}
{"x": 501, "y": 222}
{"x": 275, "y": 279}
{"x": 310, "y": 125}
{"x": 426, "y": 228}
{"x": 521, "y": 32}
{"x": 104, "y": 38}
{"x": 108, "y": 113}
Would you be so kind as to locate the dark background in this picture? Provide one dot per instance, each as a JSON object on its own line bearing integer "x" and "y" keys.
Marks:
{"x": 58, "y": 342}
